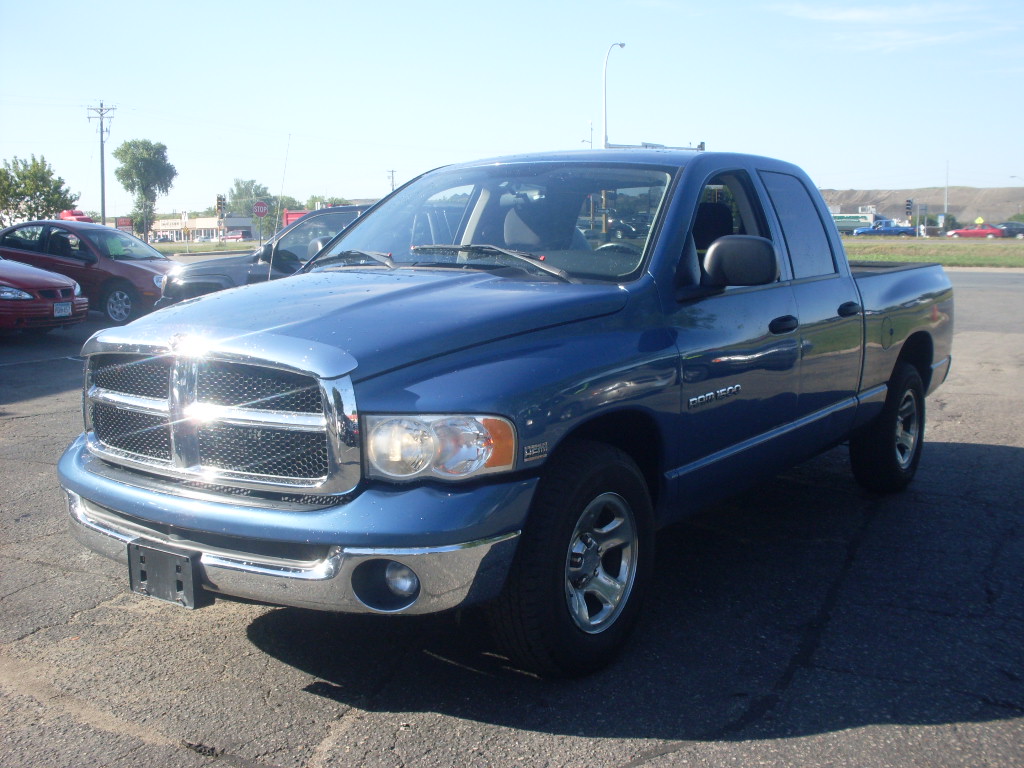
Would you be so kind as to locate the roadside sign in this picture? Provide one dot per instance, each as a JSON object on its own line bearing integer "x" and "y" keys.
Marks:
{"x": 260, "y": 209}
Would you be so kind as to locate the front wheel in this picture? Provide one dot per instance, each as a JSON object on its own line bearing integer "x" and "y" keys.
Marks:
{"x": 582, "y": 566}
{"x": 120, "y": 304}
{"x": 885, "y": 453}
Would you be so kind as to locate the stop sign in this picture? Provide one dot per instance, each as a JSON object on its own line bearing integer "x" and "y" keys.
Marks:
{"x": 260, "y": 209}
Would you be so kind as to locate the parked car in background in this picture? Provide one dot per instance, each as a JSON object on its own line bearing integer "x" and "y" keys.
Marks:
{"x": 1012, "y": 229}
{"x": 885, "y": 227}
{"x": 280, "y": 256}
{"x": 120, "y": 274}
{"x": 982, "y": 230}
{"x": 36, "y": 301}
{"x": 235, "y": 236}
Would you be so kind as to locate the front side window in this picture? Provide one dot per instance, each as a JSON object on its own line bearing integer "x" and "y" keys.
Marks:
{"x": 65, "y": 244}
{"x": 585, "y": 222}
{"x": 302, "y": 242}
{"x": 28, "y": 238}
{"x": 728, "y": 205}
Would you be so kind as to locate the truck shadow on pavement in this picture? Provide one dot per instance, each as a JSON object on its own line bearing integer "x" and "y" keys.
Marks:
{"x": 804, "y": 606}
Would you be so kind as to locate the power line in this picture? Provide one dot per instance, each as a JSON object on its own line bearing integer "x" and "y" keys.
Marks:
{"x": 101, "y": 114}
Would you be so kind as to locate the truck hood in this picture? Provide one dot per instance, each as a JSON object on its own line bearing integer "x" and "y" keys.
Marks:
{"x": 360, "y": 322}
{"x": 219, "y": 265}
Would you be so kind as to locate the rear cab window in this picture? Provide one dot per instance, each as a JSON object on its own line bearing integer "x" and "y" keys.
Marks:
{"x": 810, "y": 251}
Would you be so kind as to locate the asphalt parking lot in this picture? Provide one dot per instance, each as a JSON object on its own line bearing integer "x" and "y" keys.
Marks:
{"x": 806, "y": 622}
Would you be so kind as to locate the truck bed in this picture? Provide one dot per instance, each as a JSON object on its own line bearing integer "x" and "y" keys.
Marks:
{"x": 861, "y": 269}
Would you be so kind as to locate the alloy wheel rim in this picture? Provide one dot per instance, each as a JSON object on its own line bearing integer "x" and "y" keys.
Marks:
{"x": 907, "y": 430}
{"x": 600, "y": 565}
{"x": 119, "y": 306}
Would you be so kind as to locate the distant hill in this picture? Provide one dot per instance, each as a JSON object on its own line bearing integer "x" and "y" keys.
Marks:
{"x": 994, "y": 204}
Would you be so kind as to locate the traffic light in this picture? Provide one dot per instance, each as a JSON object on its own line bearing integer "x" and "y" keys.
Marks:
{"x": 910, "y": 208}
{"x": 221, "y": 205}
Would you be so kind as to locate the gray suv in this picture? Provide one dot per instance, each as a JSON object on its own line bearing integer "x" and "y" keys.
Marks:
{"x": 280, "y": 256}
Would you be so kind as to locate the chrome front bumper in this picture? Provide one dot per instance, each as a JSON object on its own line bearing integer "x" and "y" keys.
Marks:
{"x": 345, "y": 579}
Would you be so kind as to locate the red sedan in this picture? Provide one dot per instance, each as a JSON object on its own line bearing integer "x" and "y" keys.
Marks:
{"x": 38, "y": 301}
{"x": 982, "y": 230}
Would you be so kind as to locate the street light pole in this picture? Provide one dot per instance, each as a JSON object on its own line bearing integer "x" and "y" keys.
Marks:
{"x": 605, "y": 97}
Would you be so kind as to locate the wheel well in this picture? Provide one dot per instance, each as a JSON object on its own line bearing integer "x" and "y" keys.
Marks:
{"x": 634, "y": 432}
{"x": 919, "y": 351}
{"x": 115, "y": 282}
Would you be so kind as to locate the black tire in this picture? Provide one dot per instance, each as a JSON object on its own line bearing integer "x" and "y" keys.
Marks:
{"x": 582, "y": 565}
{"x": 120, "y": 303}
{"x": 885, "y": 453}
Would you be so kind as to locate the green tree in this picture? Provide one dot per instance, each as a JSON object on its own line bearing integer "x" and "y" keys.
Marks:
{"x": 243, "y": 194}
{"x": 30, "y": 190}
{"x": 322, "y": 201}
{"x": 145, "y": 173}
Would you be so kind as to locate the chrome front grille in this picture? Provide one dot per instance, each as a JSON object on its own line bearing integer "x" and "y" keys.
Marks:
{"x": 223, "y": 422}
{"x": 136, "y": 432}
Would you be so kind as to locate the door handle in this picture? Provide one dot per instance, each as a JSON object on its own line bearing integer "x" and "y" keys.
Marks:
{"x": 849, "y": 309}
{"x": 784, "y": 324}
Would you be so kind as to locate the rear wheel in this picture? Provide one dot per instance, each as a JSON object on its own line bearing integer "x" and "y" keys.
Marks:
{"x": 885, "y": 453}
{"x": 582, "y": 566}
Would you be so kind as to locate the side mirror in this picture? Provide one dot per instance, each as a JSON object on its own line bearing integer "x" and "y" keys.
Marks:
{"x": 265, "y": 253}
{"x": 88, "y": 256}
{"x": 741, "y": 260}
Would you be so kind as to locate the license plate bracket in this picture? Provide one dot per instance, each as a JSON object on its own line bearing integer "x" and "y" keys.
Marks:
{"x": 166, "y": 574}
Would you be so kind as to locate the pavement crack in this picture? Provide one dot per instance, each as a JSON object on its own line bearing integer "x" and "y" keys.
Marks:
{"x": 810, "y": 641}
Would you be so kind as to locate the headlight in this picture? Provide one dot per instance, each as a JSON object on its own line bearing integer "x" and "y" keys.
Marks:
{"x": 78, "y": 289}
{"x": 443, "y": 446}
{"x": 9, "y": 292}
{"x": 172, "y": 273}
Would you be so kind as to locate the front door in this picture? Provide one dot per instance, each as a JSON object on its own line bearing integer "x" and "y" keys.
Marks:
{"x": 739, "y": 355}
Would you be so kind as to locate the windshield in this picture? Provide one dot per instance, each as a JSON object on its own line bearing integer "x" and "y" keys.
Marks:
{"x": 568, "y": 221}
{"x": 121, "y": 246}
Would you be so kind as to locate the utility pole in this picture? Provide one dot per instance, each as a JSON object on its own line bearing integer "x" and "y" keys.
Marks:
{"x": 101, "y": 113}
{"x": 392, "y": 175}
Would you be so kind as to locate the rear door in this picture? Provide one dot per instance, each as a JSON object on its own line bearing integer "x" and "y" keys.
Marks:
{"x": 831, "y": 317}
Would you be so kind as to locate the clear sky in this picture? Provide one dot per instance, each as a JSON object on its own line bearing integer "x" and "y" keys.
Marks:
{"x": 329, "y": 97}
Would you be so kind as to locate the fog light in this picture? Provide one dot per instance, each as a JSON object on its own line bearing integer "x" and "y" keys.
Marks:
{"x": 401, "y": 580}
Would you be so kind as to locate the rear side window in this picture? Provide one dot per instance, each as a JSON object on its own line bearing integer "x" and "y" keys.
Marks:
{"x": 809, "y": 247}
{"x": 24, "y": 238}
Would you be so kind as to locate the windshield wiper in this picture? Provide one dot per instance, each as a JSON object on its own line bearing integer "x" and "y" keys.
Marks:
{"x": 534, "y": 261}
{"x": 377, "y": 256}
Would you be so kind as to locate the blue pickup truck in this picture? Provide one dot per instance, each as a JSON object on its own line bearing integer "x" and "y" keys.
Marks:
{"x": 885, "y": 228}
{"x": 468, "y": 397}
